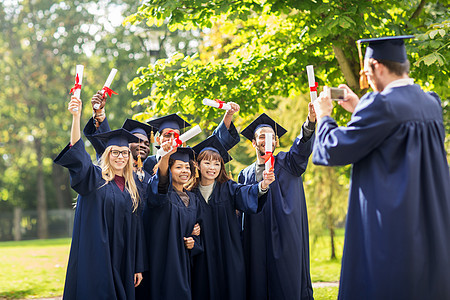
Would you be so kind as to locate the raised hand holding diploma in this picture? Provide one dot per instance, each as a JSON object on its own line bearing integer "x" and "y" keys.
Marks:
{"x": 106, "y": 90}
{"x": 76, "y": 89}
{"x": 217, "y": 104}
{"x": 268, "y": 157}
{"x": 178, "y": 140}
{"x": 312, "y": 83}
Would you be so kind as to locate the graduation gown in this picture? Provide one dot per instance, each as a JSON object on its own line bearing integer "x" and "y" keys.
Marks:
{"x": 276, "y": 240}
{"x": 228, "y": 137}
{"x": 169, "y": 220}
{"x": 106, "y": 250}
{"x": 397, "y": 237}
{"x": 219, "y": 272}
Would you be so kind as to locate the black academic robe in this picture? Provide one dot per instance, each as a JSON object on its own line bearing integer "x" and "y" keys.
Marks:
{"x": 219, "y": 272}
{"x": 228, "y": 137}
{"x": 106, "y": 249}
{"x": 397, "y": 237}
{"x": 276, "y": 240}
{"x": 169, "y": 221}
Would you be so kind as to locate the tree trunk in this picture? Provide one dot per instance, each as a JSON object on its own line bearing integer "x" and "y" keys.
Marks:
{"x": 346, "y": 68}
{"x": 16, "y": 225}
{"x": 42, "y": 222}
{"x": 333, "y": 250}
{"x": 330, "y": 221}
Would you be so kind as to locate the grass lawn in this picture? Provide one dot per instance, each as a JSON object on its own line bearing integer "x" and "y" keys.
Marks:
{"x": 322, "y": 268}
{"x": 33, "y": 269}
{"x": 37, "y": 268}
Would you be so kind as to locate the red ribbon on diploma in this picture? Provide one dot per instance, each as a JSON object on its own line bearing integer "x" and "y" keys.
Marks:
{"x": 76, "y": 86}
{"x": 176, "y": 137}
{"x": 108, "y": 91}
{"x": 314, "y": 88}
{"x": 267, "y": 156}
{"x": 221, "y": 103}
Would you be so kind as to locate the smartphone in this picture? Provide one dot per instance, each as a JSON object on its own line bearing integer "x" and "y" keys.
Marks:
{"x": 336, "y": 94}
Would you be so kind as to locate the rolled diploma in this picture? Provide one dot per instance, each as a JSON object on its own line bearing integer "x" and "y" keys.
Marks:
{"x": 311, "y": 81}
{"x": 215, "y": 104}
{"x": 108, "y": 82}
{"x": 268, "y": 148}
{"x": 79, "y": 72}
{"x": 184, "y": 138}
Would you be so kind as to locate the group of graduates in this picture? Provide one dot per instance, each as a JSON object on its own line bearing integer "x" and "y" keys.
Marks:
{"x": 178, "y": 227}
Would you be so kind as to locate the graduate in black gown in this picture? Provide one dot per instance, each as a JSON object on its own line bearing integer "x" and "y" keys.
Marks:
{"x": 106, "y": 258}
{"x": 219, "y": 272}
{"x": 397, "y": 236}
{"x": 171, "y": 125}
{"x": 276, "y": 240}
{"x": 172, "y": 212}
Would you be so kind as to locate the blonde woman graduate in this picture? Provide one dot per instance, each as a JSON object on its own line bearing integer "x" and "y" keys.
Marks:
{"x": 106, "y": 254}
{"x": 171, "y": 211}
{"x": 219, "y": 272}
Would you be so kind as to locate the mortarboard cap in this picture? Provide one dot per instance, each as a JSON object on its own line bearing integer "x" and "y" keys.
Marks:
{"x": 213, "y": 143}
{"x": 262, "y": 121}
{"x": 119, "y": 137}
{"x": 172, "y": 121}
{"x": 137, "y": 127}
{"x": 184, "y": 154}
{"x": 388, "y": 48}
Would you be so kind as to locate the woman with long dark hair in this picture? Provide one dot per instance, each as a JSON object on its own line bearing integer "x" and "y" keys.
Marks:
{"x": 172, "y": 212}
{"x": 219, "y": 272}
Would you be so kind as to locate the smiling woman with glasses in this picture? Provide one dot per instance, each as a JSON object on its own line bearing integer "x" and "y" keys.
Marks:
{"x": 107, "y": 248}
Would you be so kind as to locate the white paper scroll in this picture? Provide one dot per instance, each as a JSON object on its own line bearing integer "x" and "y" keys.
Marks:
{"x": 216, "y": 104}
{"x": 183, "y": 138}
{"x": 268, "y": 149}
{"x": 79, "y": 73}
{"x": 107, "y": 84}
{"x": 311, "y": 83}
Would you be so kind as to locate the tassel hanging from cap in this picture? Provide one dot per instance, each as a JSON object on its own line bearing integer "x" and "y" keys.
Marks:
{"x": 196, "y": 173}
{"x": 277, "y": 141}
{"x": 230, "y": 174}
{"x": 139, "y": 162}
{"x": 152, "y": 137}
{"x": 139, "y": 172}
{"x": 363, "y": 82}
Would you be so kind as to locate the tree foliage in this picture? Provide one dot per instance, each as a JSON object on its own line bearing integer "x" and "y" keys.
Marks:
{"x": 264, "y": 47}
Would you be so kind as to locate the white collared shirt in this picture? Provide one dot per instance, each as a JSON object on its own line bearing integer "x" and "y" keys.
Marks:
{"x": 400, "y": 82}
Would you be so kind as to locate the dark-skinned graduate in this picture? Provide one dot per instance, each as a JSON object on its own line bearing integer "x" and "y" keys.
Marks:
{"x": 276, "y": 240}
{"x": 219, "y": 272}
{"x": 172, "y": 213}
{"x": 397, "y": 236}
{"x": 106, "y": 259}
{"x": 170, "y": 126}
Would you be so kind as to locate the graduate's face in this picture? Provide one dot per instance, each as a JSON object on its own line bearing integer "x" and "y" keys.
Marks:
{"x": 165, "y": 135}
{"x": 142, "y": 148}
{"x": 181, "y": 172}
{"x": 210, "y": 169}
{"x": 259, "y": 143}
{"x": 119, "y": 162}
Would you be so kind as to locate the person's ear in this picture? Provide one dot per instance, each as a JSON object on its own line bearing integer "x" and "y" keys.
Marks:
{"x": 254, "y": 143}
{"x": 158, "y": 141}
